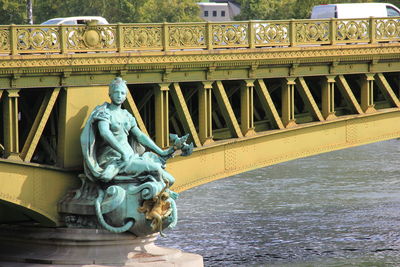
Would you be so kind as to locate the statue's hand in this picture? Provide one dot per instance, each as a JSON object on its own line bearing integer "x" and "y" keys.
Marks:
{"x": 168, "y": 152}
{"x": 125, "y": 158}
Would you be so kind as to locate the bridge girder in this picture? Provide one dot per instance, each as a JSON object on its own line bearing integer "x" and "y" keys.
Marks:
{"x": 30, "y": 192}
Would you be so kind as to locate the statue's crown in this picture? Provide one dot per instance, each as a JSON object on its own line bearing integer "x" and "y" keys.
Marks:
{"x": 117, "y": 82}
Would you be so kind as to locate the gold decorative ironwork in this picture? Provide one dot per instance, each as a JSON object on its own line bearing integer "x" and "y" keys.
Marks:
{"x": 210, "y": 35}
{"x": 97, "y": 37}
{"x": 230, "y": 34}
{"x": 187, "y": 36}
{"x": 139, "y": 37}
{"x": 96, "y": 62}
{"x": 312, "y": 33}
{"x": 387, "y": 29}
{"x": 4, "y": 39}
{"x": 38, "y": 39}
{"x": 271, "y": 33}
{"x": 352, "y": 30}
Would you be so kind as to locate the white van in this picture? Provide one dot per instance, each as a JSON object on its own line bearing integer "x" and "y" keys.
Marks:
{"x": 75, "y": 20}
{"x": 353, "y": 11}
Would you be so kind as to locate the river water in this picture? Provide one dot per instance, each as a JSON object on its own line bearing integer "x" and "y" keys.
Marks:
{"x": 336, "y": 209}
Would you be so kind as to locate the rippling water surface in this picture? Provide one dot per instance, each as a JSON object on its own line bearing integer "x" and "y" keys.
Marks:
{"x": 336, "y": 209}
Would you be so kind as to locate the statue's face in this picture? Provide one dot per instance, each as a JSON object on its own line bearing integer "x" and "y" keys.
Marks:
{"x": 118, "y": 95}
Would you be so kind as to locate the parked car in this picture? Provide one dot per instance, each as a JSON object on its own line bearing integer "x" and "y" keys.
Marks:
{"x": 75, "y": 20}
{"x": 352, "y": 11}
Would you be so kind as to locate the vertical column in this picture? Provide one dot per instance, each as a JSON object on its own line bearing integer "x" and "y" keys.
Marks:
{"x": 10, "y": 111}
{"x": 209, "y": 35}
{"x": 161, "y": 114}
{"x": 247, "y": 108}
{"x": 252, "y": 35}
{"x": 333, "y": 25}
{"x": 372, "y": 30}
{"x": 288, "y": 102}
{"x": 328, "y": 98}
{"x": 13, "y": 39}
{"x": 63, "y": 38}
{"x": 205, "y": 113}
{"x": 367, "y": 93}
{"x": 120, "y": 38}
{"x": 74, "y": 110}
{"x": 292, "y": 32}
{"x": 165, "y": 36}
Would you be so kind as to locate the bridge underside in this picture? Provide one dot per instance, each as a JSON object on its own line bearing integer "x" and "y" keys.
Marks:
{"x": 243, "y": 109}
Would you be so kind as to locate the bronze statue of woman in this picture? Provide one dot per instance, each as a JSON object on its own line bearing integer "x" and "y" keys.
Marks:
{"x": 113, "y": 145}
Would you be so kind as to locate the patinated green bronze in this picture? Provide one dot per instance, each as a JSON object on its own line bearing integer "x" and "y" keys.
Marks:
{"x": 125, "y": 186}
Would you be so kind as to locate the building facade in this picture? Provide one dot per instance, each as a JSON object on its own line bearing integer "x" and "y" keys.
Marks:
{"x": 218, "y": 10}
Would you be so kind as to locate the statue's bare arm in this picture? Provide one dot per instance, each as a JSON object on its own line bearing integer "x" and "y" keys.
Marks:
{"x": 147, "y": 142}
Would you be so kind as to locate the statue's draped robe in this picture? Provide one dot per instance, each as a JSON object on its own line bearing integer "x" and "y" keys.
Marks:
{"x": 100, "y": 157}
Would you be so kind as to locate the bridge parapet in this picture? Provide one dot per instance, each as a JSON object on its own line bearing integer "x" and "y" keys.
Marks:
{"x": 64, "y": 39}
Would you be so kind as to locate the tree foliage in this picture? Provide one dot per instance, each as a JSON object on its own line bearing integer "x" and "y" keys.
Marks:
{"x": 126, "y": 11}
{"x": 12, "y": 12}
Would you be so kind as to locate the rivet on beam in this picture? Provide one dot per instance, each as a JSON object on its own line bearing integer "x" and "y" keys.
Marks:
{"x": 167, "y": 72}
{"x": 292, "y": 70}
{"x": 372, "y": 65}
{"x": 64, "y": 77}
{"x": 332, "y": 67}
{"x": 122, "y": 73}
{"x": 210, "y": 72}
{"x": 252, "y": 70}
{"x": 14, "y": 78}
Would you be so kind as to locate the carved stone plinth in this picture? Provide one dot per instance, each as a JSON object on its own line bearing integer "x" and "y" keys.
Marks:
{"x": 37, "y": 246}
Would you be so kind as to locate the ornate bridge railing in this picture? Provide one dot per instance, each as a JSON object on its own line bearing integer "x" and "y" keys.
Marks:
{"x": 37, "y": 39}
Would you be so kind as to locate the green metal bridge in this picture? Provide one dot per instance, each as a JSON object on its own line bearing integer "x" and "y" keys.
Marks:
{"x": 251, "y": 94}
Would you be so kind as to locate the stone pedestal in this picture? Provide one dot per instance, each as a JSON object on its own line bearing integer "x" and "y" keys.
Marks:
{"x": 37, "y": 246}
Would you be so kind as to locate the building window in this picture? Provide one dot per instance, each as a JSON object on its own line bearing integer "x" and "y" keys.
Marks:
{"x": 223, "y": 13}
{"x": 214, "y": 13}
{"x": 206, "y": 13}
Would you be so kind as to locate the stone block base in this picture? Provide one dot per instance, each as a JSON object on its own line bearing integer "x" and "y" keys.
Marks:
{"x": 40, "y": 246}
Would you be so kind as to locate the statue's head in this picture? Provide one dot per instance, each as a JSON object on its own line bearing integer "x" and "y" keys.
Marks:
{"x": 117, "y": 91}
